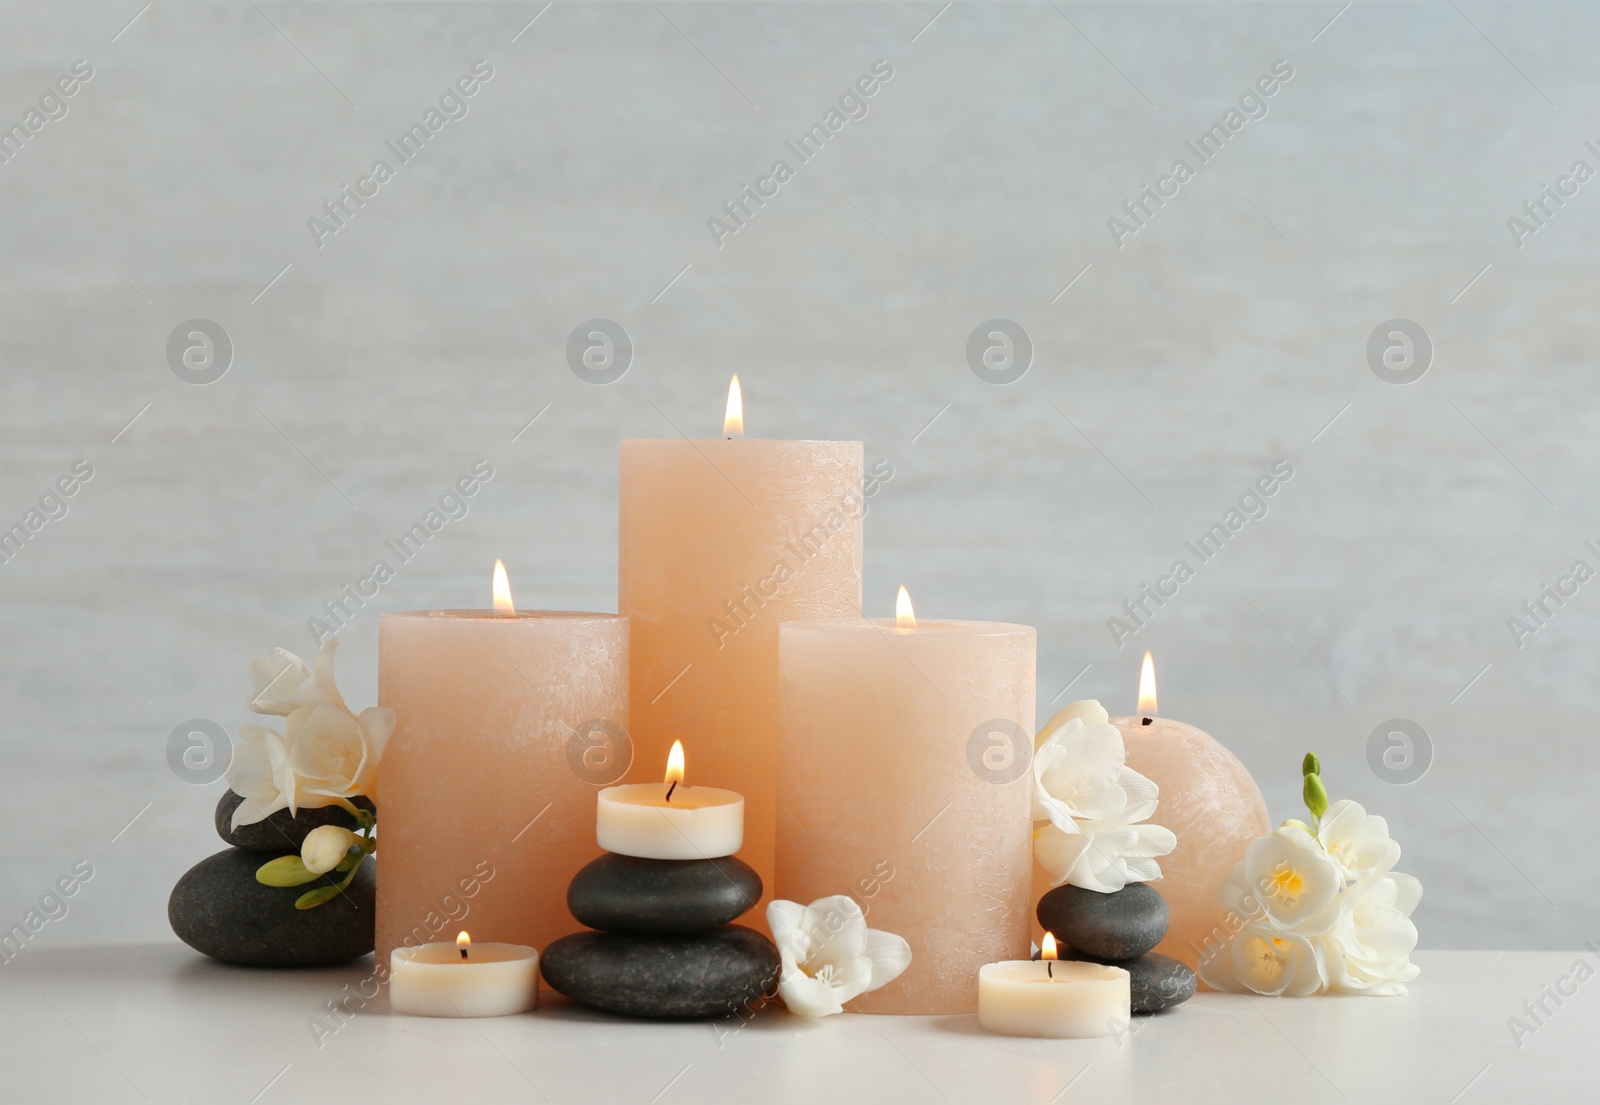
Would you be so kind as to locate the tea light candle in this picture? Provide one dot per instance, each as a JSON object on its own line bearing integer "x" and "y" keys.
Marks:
{"x": 464, "y": 979}
{"x": 1044, "y": 997}
{"x": 668, "y": 820}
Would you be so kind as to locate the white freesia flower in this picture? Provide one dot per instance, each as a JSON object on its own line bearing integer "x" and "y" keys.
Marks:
{"x": 1292, "y": 878}
{"x": 1356, "y": 840}
{"x": 257, "y": 772}
{"x": 1369, "y": 949}
{"x": 325, "y": 848}
{"x": 829, "y": 955}
{"x": 324, "y": 756}
{"x": 1087, "y": 803}
{"x": 1318, "y": 910}
{"x": 1102, "y": 855}
{"x": 1263, "y": 959}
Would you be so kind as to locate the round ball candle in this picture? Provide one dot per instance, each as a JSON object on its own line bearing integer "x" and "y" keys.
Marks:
{"x": 719, "y": 541}
{"x": 903, "y": 781}
{"x": 1059, "y": 1000}
{"x": 486, "y": 791}
{"x": 1210, "y": 801}
{"x": 668, "y": 820}
{"x": 463, "y": 979}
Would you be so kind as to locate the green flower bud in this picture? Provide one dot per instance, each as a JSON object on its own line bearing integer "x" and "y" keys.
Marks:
{"x": 1311, "y": 765}
{"x": 1316, "y": 796}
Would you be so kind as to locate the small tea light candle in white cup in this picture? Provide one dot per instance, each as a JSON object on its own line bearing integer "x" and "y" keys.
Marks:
{"x": 668, "y": 820}
{"x": 463, "y": 979}
{"x": 1047, "y": 997}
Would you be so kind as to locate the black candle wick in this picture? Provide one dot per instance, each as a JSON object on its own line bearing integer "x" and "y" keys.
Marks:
{"x": 463, "y": 953}
{"x": 1147, "y": 721}
{"x": 1050, "y": 968}
{"x": 674, "y": 785}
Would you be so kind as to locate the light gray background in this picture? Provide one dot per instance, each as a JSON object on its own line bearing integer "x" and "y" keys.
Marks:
{"x": 1223, "y": 337}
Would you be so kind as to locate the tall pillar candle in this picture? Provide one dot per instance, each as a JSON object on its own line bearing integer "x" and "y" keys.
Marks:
{"x": 903, "y": 781}
{"x": 720, "y": 541}
{"x": 486, "y": 798}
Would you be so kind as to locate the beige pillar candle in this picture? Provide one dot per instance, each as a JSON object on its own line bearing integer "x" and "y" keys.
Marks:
{"x": 903, "y": 781}
{"x": 720, "y": 541}
{"x": 1210, "y": 801}
{"x": 484, "y": 784}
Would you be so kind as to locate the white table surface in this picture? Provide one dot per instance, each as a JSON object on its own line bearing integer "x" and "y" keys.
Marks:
{"x": 160, "y": 1023}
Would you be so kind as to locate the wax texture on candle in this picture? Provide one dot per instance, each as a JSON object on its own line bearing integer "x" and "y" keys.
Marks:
{"x": 486, "y": 801}
{"x": 494, "y": 980}
{"x": 697, "y": 823}
{"x": 1066, "y": 1000}
{"x": 903, "y": 781}
{"x": 719, "y": 542}
{"x": 1212, "y": 803}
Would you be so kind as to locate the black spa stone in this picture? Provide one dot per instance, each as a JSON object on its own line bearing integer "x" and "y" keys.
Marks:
{"x": 1116, "y": 926}
{"x": 707, "y": 974}
{"x": 628, "y": 894}
{"x": 1155, "y": 981}
{"x": 219, "y": 909}
{"x": 280, "y": 833}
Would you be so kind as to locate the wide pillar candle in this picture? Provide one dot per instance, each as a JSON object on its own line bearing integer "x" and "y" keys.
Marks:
{"x": 904, "y": 781}
{"x": 720, "y": 541}
{"x": 485, "y": 795}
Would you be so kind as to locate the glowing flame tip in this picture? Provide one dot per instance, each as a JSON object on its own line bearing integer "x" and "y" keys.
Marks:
{"x": 1147, "y": 687}
{"x": 733, "y": 421}
{"x": 1047, "y": 947}
{"x": 904, "y": 616}
{"x": 502, "y": 589}
{"x": 674, "y": 764}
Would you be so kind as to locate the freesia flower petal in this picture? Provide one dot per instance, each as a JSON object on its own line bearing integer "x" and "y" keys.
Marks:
{"x": 829, "y": 955}
{"x": 890, "y": 955}
{"x": 1086, "y": 712}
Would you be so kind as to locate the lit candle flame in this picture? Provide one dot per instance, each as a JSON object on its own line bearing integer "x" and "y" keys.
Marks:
{"x": 1147, "y": 688}
{"x": 1047, "y": 948}
{"x": 502, "y": 589}
{"x": 674, "y": 774}
{"x": 904, "y": 617}
{"x": 463, "y": 943}
{"x": 733, "y": 421}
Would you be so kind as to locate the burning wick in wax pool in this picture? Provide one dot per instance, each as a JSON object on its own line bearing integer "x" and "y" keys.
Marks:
{"x": 1047, "y": 952}
{"x": 674, "y": 768}
{"x": 502, "y": 590}
{"x": 733, "y": 420}
{"x": 463, "y": 942}
{"x": 1147, "y": 690}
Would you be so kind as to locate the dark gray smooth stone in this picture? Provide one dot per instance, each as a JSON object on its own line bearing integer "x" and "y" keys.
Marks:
{"x": 219, "y": 909}
{"x": 1156, "y": 981}
{"x": 1115, "y": 926}
{"x": 629, "y": 894}
{"x": 279, "y": 833}
{"x": 708, "y": 974}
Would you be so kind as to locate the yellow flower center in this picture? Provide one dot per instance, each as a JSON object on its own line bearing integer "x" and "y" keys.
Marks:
{"x": 1287, "y": 884}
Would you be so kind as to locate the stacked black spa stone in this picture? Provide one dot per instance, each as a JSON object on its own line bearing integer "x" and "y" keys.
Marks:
{"x": 219, "y": 909}
{"x": 1120, "y": 929}
{"x": 666, "y": 947}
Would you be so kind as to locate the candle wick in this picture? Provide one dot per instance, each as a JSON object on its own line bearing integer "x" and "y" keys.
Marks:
{"x": 674, "y": 785}
{"x": 463, "y": 953}
{"x": 1050, "y": 968}
{"x": 1146, "y": 721}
